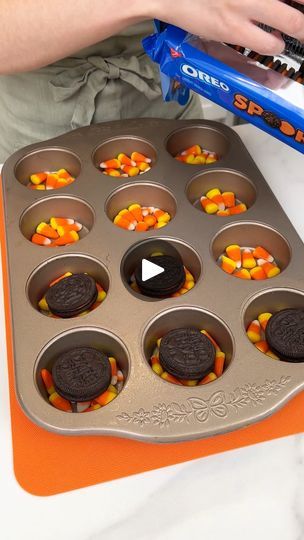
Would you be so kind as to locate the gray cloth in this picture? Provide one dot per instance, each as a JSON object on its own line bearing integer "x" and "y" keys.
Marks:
{"x": 111, "y": 80}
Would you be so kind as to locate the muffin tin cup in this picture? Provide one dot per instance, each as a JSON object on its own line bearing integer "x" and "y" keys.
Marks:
{"x": 148, "y": 408}
{"x": 224, "y": 180}
{"x": 166, "y": 246}
{"x": 249, "y": 235}
{"x": 39, "y": 281}
{"x": 145, "y": 194}
{"x": 48, "y": 159}
{"x": 61, "y": 206}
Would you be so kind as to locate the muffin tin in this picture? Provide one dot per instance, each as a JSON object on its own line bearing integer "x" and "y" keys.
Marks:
{"x": 127, "y": 324}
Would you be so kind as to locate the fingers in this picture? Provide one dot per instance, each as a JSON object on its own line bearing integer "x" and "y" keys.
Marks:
{"x": 257, "y": 39}
{"x": 282, "y": 17}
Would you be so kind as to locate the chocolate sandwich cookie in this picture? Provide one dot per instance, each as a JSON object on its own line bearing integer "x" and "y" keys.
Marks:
{"x": 285, "y": 334}
{"x": 187, "y": 354}
{"x": 72, "y": 295}
{"x": 81, "y": 374}
{"x": 166, "y": 283}
{"x": 271, "y": 119}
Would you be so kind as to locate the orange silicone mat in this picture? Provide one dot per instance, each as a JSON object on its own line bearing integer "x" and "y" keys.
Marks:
{"x": 46, "y": 464}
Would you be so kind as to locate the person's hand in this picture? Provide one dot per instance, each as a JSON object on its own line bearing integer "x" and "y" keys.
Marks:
{"x": 235, "y": 21}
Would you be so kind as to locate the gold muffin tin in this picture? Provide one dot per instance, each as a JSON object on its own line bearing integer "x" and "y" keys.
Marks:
{"x": 127, "y": 324}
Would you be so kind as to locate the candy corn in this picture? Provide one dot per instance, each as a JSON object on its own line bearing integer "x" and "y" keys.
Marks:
{"x": 60, "y": 403}
{"x": 157, "y": 368}
{"x": 229, "y": 199}
{"x": 215, "y": 196}
{"x": 227, "y": 264}
{"x": 195, "y": 149}
{"x": 141, "y": 218}
{"x": 209, "y": 206}
{"x": 126, "y": 165}
{"x": 142, "y": 165}
{"x": 167, "y": 377}
{"x": 257, "y": 273}
{"x": 242, "y": 273}
{"x": 48, "y": 381}
{"x": 272, "y": 355}
{"x": 199, "y": 160}
{"x": 219, "y": 363}
{"x": 135, "y": 210}
{"x": 209, "y": 378}
{"x": 68, "y": 238}
{"x": 43, "y": 305}
{"x": 40, "y": 240}
{"x": 223, "y": 213}
{"x": 38, "y": 187}
{"x": 67, "y": 274}
{"x": 120, "y": 221}
{"x": 234, "y": 252}
{"x": 129, "y": 170}
{"x": 226, "y": 202}
{"x": 196, "y": 155}
{"x": 254, "y": 331}
{"x": 188, "y": 382}
{"x": 38, "y": 178}
{"x": 216, "y": 346}
{"x": 238, "y": 209}
{"x": 248, "y": 260}
{"x": 56, "y": 222}
{"x": 262, "y": 346}
{"x": 66, "y": 228}
{"x": 270, "y": 269}
{"x": 50, "y": 180}
{"x": 141, "y": 226}
{"x": 246, "y": 264}
{"x": 101, "y": 293}
{"x": 256, "y": 334}
{"x": 46, "y": 230}
{"x": 261, "y": 253}
{"x": 113, "y": 172}
{"x": 212, "y": 158}
{"x": 125, "y": 160}
{"x": 263, "y": 319}
{"x": 137, "y": 156}
{"x": 150, "y": 220}
{"x": 110, "y": 164}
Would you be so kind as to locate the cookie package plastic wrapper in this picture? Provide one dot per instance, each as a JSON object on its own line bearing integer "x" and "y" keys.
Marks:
{"x": 234, "y": 78}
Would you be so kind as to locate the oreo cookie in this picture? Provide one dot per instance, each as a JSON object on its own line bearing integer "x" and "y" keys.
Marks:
{"x": 186, "y": 353}
{"x": 72, "y": 295}
{"x": 81, "y": 374}
{"x": 271, "y": 119}
{"x": 166, "y": 283}
{"x": 285, "y": 334}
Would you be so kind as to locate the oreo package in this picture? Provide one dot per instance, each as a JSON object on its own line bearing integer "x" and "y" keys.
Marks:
{"x": 265, "y": 91}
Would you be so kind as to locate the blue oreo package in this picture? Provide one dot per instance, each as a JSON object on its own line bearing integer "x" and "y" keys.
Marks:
{"x": 271, "y": 100}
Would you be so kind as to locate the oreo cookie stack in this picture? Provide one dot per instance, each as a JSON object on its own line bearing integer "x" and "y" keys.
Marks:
{"x": 285, "y": 334}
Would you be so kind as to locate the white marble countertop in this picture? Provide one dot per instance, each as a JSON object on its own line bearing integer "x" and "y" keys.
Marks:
{"x": 255, "y": 492}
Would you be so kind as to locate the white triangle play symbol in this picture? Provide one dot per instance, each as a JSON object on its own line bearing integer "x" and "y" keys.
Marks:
{"x": 150, "y": 270}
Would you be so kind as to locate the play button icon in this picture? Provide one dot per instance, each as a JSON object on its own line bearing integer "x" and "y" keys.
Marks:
{"x": 159, "y": 275}
{"x": 149, "y": 270}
